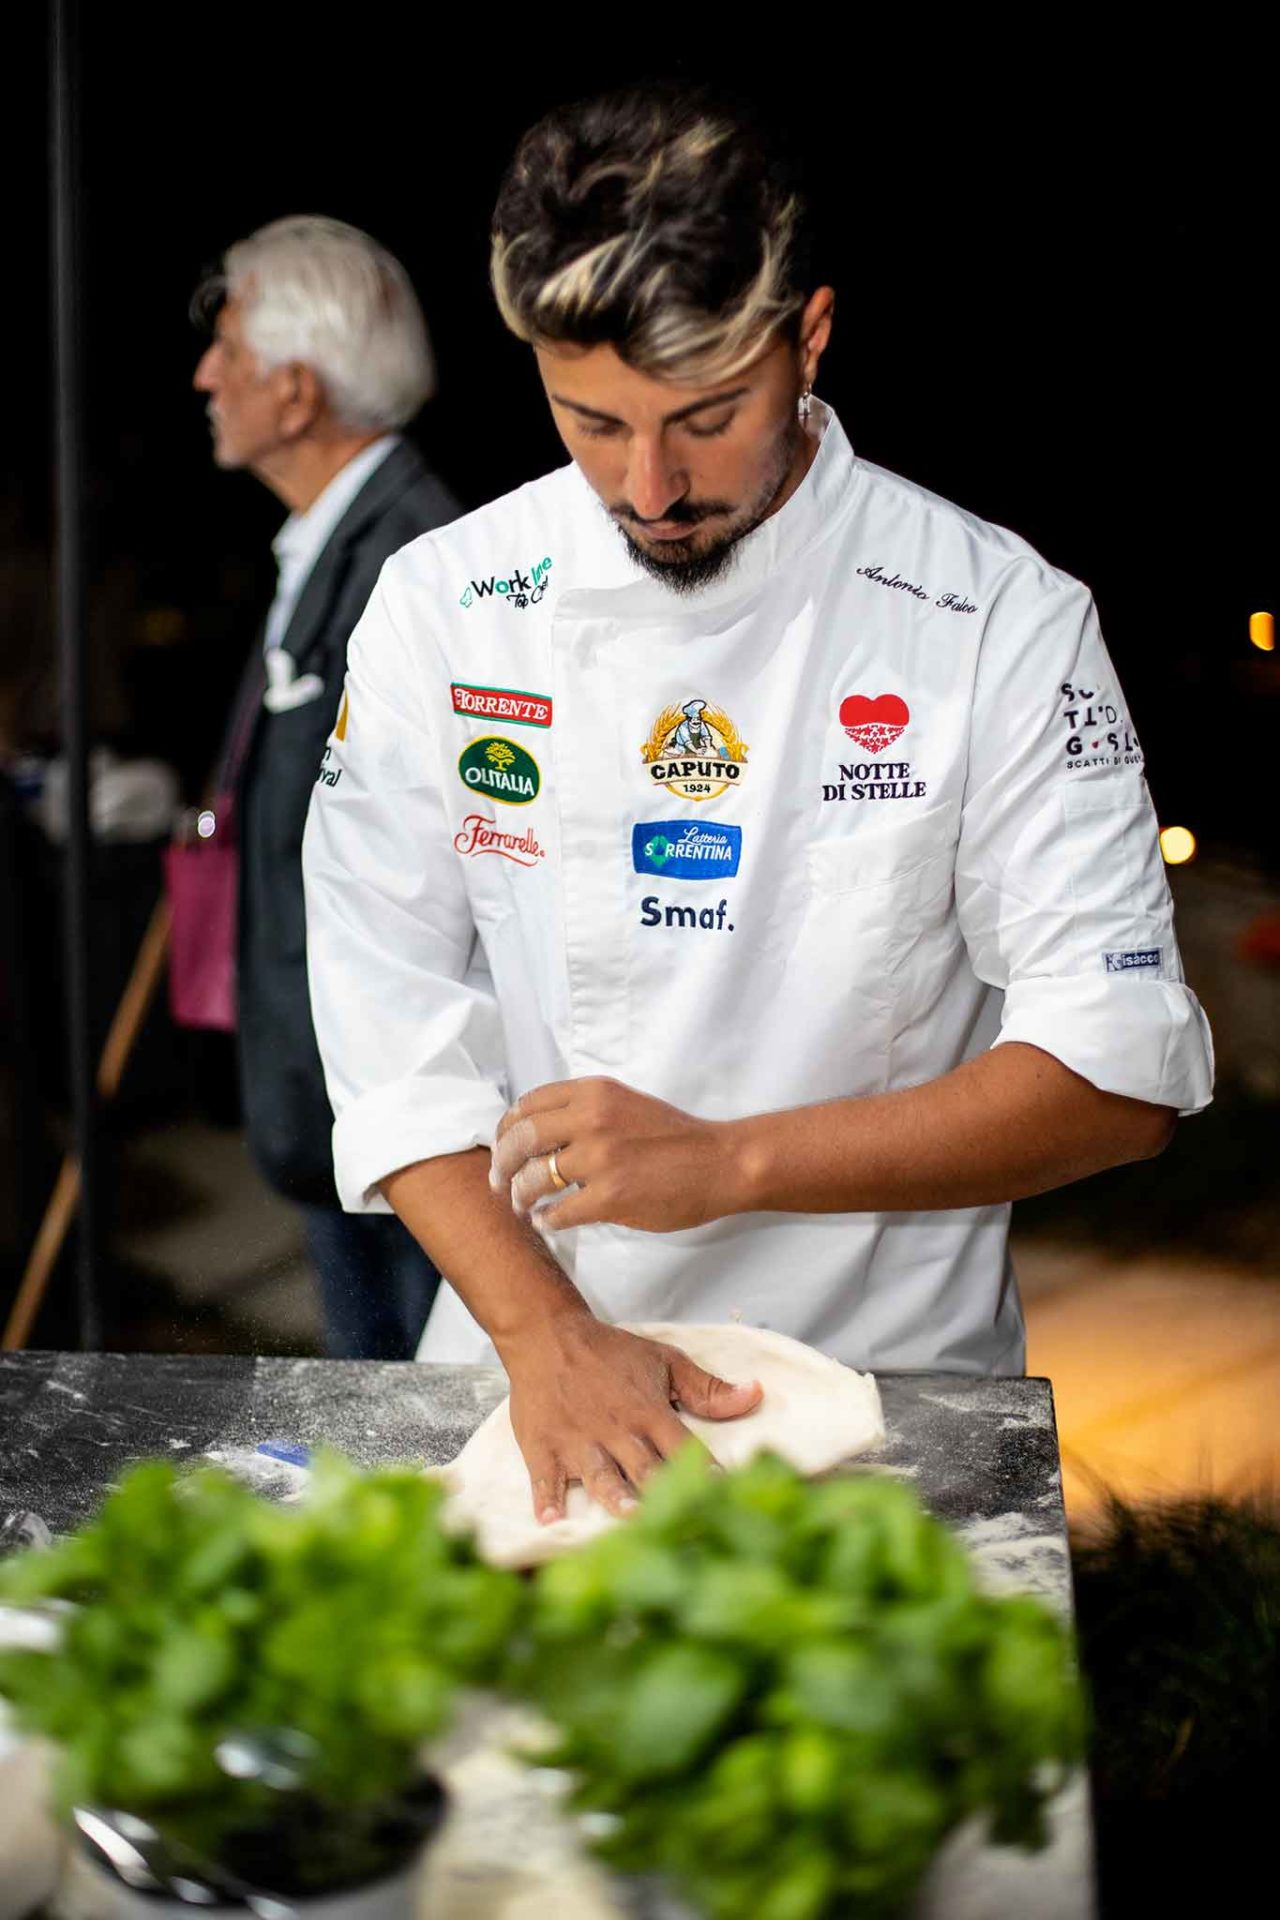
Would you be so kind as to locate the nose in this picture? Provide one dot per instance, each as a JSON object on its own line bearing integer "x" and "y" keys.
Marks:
{"x": 653, "y": 483}
{"x": 205, "y": 378}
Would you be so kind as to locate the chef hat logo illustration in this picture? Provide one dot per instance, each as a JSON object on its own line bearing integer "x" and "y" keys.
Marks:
{"x": 693, "y": 709}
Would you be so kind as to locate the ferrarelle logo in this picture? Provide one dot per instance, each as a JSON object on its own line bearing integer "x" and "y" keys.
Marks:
{"x": 479, "y": 834}
{"x": 517, "y": 588}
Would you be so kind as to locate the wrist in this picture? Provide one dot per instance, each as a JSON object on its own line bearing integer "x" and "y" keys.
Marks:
{"x": 743, "y": 1162}
{"x": 543, "y": 1303}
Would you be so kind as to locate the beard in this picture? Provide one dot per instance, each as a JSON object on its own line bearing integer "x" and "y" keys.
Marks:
{"x": 688, "y": 565}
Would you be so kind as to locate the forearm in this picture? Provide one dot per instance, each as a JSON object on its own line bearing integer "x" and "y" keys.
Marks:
{"x": 1013, "y": 1122}
{"x": 496, "y": 1263}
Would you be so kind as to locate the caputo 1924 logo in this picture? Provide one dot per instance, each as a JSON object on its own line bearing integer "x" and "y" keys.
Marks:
{"x": 500, "y": 768}
{"x": 694, "y": 750}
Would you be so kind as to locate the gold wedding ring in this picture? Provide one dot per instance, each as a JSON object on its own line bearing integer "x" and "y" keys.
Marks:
{"x": 558, "y": 1180}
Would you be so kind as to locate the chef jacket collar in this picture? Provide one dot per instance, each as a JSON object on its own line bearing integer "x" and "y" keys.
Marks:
{"x": 620, "y": 589}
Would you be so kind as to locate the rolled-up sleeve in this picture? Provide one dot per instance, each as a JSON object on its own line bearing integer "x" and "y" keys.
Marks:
{"x": 1060, "y": 885}
{"x": 404, "y": 1013}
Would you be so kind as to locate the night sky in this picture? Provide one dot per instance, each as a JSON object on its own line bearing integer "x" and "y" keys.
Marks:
{"x": 1047, "y": 272}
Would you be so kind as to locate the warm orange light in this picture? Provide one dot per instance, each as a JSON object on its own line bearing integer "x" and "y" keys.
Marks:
{"x": 1262, "y": 631}
{"x": 1178, "y": 845}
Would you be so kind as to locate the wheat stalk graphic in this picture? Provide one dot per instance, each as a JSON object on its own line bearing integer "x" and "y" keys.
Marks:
{"x": 734, "y": 744}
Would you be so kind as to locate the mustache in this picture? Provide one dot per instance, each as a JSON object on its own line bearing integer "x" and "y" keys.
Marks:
{"x": 684, "y": 513}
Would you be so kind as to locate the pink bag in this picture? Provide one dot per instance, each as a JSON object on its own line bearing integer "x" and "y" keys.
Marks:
{"x": 202, "y": 880}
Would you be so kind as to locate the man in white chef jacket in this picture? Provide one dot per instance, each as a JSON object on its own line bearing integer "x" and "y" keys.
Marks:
{"x": 773, "y": 1030}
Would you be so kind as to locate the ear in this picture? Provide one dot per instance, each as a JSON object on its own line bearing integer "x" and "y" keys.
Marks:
{"x": 815, "y": 331}
{"x": 301, "y": 398}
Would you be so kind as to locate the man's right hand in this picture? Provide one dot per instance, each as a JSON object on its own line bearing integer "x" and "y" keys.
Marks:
{"x": 594, "y": 1403}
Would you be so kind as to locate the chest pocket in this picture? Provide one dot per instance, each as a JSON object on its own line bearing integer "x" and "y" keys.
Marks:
{"x": 878, "y": 914}
{"x": 896, "y": 868}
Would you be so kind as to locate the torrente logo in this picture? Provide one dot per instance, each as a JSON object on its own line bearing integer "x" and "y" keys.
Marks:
{"x": 502, "y": 703}
{"x": 517, "y": 589}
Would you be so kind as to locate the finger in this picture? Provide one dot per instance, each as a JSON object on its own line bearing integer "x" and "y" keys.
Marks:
{"x": 707, "y": 1395}
{"x": 669, "y": 1435}
{"x": 578, "y": 1209}
{"x": 535, "y": 1181}
{"x": 556, "y": 1093}
{"x": 536, "y": 1177}
{"x": 636, "y": 1455}
{"x": 534, "y": 1134}
{"x": 604, "y": 1481}
{"x": 548, "y": 1482}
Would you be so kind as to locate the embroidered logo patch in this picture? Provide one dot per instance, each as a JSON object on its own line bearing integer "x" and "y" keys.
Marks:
{"x": 686, "y": 849}
{"x": 502, "y": 703}
{"x": 874, "y": 724}
{"x": 1147, "y": 959}
{"x": 522, "y": 587}
{"x": 502, "y": 769}
{"x": 479, "y": 834}
{"x": 694, "y": 750}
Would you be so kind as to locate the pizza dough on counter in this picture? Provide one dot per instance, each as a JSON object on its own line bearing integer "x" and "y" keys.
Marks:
{"x": 815, "y": 1413}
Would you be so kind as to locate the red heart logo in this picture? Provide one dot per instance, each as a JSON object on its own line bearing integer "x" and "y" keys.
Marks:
{"x": 874, "y": 724}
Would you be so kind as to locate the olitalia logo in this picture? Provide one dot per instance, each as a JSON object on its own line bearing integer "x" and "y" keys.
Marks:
{"x": 519, "y": 588}
{"x": 501, "y": 769}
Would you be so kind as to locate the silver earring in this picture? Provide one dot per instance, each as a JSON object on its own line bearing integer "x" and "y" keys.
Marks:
{"x": 806, "y": 401}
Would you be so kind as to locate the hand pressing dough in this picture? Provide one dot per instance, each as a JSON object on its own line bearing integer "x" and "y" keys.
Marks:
{"x": 815, "y": 1413}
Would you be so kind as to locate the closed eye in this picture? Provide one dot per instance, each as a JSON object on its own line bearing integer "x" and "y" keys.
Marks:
{"x": 710, "y": 431}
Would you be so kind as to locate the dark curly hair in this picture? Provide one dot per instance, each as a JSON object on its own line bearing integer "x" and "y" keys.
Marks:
{"x": 658, "y": 220}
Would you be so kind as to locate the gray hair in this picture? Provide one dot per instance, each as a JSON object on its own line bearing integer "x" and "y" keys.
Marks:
{"x": 321, "y": 292}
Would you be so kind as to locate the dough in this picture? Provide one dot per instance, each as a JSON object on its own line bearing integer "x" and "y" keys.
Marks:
{"x": 815, "y": 1413}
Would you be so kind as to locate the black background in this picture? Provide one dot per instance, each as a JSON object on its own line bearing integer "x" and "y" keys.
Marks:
{"x": 1049, "y": 263}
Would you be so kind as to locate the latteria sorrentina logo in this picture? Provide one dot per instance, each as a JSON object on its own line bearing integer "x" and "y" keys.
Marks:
{"x": 500, "y": 768}
{"x": 522, "y": 587}
{"x": 686, "y": 849}
{"x": 694, "y": 750}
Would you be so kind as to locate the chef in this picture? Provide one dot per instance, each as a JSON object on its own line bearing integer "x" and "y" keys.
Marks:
{"x": 775, "y": 1027}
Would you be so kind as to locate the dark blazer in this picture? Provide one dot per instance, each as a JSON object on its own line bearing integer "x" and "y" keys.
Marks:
{"x": 287, "y": 1114}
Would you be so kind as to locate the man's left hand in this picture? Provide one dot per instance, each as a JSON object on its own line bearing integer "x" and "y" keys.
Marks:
{"x": 632, "y": 1160}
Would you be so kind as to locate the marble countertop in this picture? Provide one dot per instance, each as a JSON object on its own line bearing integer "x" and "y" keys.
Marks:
{"x": 982, "y": 1454}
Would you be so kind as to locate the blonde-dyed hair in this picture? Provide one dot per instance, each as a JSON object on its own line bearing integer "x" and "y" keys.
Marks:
{"x": 657, "y": 221}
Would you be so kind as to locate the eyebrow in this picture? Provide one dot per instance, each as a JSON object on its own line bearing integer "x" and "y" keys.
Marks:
{"x": 668, "y": 419}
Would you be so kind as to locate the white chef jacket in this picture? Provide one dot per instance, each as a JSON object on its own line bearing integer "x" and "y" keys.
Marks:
{"x": 919, "y": 829}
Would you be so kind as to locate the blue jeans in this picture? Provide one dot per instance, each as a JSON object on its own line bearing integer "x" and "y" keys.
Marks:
{"x": 376, "y": 1283}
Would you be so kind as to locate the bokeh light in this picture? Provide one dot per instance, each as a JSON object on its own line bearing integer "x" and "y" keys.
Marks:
{"x": 1262, "y": 631}
{"x": 1178, "y": 845}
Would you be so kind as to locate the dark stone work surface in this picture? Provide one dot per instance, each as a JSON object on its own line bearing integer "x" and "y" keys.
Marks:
{"x": 982, "y": 1453}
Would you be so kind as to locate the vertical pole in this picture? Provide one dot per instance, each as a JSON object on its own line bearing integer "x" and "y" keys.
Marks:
{"x": 72, "y": 648}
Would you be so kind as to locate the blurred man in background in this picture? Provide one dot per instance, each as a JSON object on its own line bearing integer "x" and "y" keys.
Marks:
{"x": 320, "y": 355}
